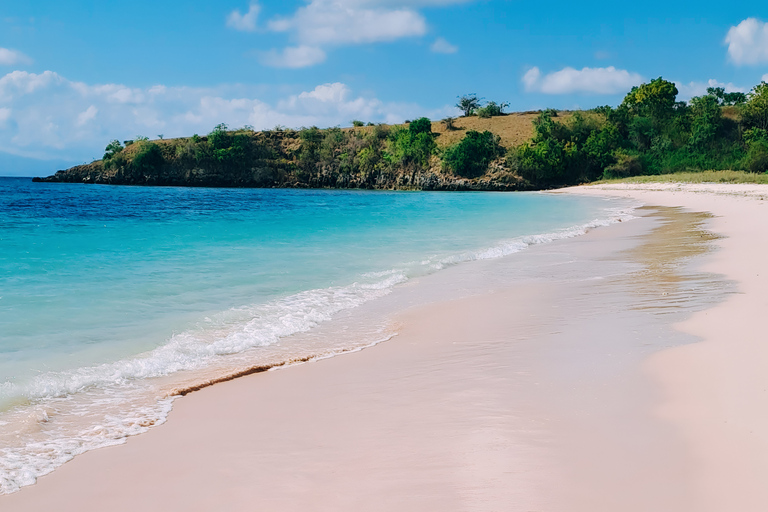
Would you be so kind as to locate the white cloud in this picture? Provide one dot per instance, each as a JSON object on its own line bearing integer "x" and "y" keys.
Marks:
{"x": 531, "y": 78}
{"x": 47, "y": 116}
{"x": 87, "y": 115}
{"x": 586, "y": 80}
{"x": 691, "y": 89}
{"x": 345, "y": 22}
{"x": 244, "y": 22}
{"x": 10, "y": 57}
{"x": 748, "y": 42}
{"x": 293, "y": 57}
{"x": 765, "y": 78}
{"x": 442, "y": 46}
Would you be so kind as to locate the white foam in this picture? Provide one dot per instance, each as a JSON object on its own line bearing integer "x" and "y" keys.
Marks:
{"x": 231, "y": 332}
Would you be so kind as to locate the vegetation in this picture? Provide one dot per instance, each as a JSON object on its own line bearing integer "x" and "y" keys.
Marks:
{"x": 696, "y": 177}
{"x": 492, "y": 109}
{"x": 470, "y": 157}
{"x": 650, "y": 133}
{"x": 468, "y": 104}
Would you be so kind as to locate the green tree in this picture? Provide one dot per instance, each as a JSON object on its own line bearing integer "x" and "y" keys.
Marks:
{"x": 754, "y": 113}
{"x": 472, "y": 155}
{"x": 148, "y": 159}
{"x": 706, "y": 121}
{"x": 492, "y": 109}
{"x": 656, "y": 99}
{"x": 468, "y": 104}
{"x": 112, "y": 149}
{"x": 420, "y": 125}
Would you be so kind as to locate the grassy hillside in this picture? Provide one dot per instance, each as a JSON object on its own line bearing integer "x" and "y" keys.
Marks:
{"x": 649, "y": 133}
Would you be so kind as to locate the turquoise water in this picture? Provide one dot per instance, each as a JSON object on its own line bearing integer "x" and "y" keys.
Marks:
{"x": 106, "y": 291}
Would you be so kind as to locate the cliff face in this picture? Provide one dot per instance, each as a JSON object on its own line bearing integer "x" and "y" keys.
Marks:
{"x": 354, "y": 159}
{"x": 276, "y": 176}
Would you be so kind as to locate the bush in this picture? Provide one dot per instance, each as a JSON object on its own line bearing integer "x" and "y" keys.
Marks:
{"x": 149, "y": 158}
{"x": 449, "y": 123}
{"x": 757, "y": 157}
{"x": 112, "y": 149}
{"x": 470, "y": 157}
{"x": 626, "y": 165}
{"x": 411, "y": 146}
{"x": 357, "y": 123}
{"x": 492, "y": 109}
{"x": 420, "y": 125}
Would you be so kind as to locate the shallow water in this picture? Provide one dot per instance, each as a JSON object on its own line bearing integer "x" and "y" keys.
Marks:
{"x": 113, "y": 297}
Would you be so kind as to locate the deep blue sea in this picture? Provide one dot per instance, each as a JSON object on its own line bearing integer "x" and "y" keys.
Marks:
{"x": 111, "y": 296}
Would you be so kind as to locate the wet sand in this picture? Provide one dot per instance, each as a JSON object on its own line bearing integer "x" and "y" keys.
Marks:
{"x": 555, "y": 383}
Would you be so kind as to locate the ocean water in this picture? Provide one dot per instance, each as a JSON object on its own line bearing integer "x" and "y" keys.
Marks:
{"x": 111, "y": 298}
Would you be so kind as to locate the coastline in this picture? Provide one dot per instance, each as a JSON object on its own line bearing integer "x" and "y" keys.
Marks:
{"x": 715, "y": 390}
{"x": 479, "y": 402}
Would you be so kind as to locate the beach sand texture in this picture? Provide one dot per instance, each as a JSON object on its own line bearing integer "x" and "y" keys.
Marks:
{"x": 565, "y": 390}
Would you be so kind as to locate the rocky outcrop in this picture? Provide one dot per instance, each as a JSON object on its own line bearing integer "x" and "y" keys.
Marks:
{"x": 269, "y": 160}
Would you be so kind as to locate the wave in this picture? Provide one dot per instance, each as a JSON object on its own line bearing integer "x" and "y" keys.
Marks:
{"x": 105, "y": 391}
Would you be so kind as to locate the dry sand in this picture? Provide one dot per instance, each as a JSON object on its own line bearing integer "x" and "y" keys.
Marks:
{"x": 716, "y": 391}
{"x": 565, "y": 391}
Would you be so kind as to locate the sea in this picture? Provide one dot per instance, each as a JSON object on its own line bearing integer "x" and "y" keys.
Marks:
{"x": 115, "y": 300}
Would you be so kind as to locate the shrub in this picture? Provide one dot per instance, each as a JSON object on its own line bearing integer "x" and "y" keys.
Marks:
{"x": 410, "y": 146}
{"x": 219, "y": 138}
{"x": 754, "y": 113}
{"x": 112, "y": 149}
{"x": 449, "y": 123}
{"x": 757, "y": 157}
{"x": 472, "y": 155}
{"x": 420, "y": 125}
{"x": 492, "y": 109}
{"x": 149, "y": 158}
{"x": 626, "y": 165}
{"x": 356, "y": 123}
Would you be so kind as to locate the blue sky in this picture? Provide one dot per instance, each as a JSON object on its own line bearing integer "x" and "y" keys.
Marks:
{"x": 76, "y": 74}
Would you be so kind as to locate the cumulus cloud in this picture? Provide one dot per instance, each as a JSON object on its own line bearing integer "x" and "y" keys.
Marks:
{"x": 765, "y": 78}
{"x": 442, "y": 46}
{"x": 748, "y": 42}
{"x": 322, "y": 24}
{"x": 691, "y": 89}
{"x": 293, "y": 57}
{"x": 47, "y": 116}
{"x": 344, "y": 22}
{"x": 244, "y": 22}
{"x": 10, "y": 57}
{"x": 584, "y": 81}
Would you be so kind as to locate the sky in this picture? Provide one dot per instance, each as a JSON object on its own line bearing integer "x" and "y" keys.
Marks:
{"x": 76, "y": 74}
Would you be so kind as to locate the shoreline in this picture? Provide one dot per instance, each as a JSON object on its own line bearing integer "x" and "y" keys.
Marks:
{"x": 715, "y": 390}
{"x": 486, "y": 438}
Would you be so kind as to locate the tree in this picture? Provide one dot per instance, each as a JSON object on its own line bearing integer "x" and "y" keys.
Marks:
{"x": 492, "y": 109}
{"x": 727, "y": 98}
{"x": 356, "y": 123}
{"x": 112, "y": 149}
{"x": 754, "y": 113}
{"x": 420, "y": 125}
{"x": 468, "y": 104}
{"x": 655, "y": 99}
{"x": 470, "y": 157}
{"x": 706, "y": 120}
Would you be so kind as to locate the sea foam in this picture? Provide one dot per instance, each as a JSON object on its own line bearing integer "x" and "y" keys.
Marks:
{"x": 67, "y": 413}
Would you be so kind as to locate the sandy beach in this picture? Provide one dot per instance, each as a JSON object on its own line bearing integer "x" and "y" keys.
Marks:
{"x": 627, "y": 373}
